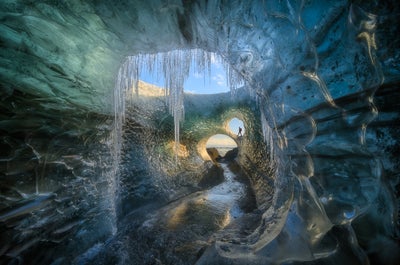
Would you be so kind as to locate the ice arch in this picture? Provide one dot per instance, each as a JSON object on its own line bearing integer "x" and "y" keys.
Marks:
{"x": 312, "y": 67}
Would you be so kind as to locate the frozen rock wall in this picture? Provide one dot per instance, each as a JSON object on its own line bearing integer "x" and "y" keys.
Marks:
{"x": 324, "y": 75}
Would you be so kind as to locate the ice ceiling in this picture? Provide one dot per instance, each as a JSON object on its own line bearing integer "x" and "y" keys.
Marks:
{"x": 80, "y": 162}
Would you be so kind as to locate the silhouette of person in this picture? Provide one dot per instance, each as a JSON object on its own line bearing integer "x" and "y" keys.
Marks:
{"x": 240, "y": 132}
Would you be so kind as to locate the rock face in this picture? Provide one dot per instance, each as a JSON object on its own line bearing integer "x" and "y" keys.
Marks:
{"x": 320, "y": 107}
{"x": 214, "y": 154}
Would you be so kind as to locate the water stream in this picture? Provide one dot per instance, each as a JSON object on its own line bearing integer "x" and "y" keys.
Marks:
{"x": 214, "y": 208}
{"x": 180, "y": 231}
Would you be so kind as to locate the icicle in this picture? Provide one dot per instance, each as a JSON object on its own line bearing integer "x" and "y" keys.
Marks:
{"x": 267, "y": 134}
{"x": 234, "y": 79}
{"x": 174, "y": 67}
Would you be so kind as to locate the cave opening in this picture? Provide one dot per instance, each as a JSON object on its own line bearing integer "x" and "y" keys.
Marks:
{"x": 236, "y": 126}
{"x": 179, "y": 74}
{"x": 221, "y": 147}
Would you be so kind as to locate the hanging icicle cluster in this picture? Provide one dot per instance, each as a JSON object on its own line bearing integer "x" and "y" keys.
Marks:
{"x": 174, "y": 67}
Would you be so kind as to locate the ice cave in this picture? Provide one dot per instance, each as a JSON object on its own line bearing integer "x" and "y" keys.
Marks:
{"x": 99, "y": 167}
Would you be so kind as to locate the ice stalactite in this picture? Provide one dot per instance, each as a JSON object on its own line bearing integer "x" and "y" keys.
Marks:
{"x": 174, "y": 67}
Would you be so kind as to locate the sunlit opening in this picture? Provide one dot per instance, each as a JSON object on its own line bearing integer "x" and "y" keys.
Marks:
{"x": 220, "y": 143}
{"x": 236, "y": 127}
{"x": 209, "y": 77}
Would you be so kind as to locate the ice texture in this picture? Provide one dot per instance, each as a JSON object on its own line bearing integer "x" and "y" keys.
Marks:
{"x": 81, "y": 154}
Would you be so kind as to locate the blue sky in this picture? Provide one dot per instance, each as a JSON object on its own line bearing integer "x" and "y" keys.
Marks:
{"x": 234, "y": 125}
{"x": 196, "y": 83}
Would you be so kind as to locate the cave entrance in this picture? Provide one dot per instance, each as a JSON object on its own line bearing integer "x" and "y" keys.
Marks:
{"x": 193, "y": 71}
{"x": 221, "y": 146}
{"x": 176, "y": 73}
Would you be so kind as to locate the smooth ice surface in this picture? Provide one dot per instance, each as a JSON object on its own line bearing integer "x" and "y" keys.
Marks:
{"x": 82, "y": 152}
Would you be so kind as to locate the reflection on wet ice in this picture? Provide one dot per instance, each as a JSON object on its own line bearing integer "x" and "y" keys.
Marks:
{"x": 214, "y": 208}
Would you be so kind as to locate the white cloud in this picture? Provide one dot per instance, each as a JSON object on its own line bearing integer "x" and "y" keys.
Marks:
{"x": 219, "y": 79}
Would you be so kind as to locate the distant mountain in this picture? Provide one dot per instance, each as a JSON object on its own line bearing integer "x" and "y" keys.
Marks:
{"x": 149, "y": 90}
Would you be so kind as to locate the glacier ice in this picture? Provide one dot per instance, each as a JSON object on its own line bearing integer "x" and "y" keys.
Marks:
{"x": 83, "y": 156}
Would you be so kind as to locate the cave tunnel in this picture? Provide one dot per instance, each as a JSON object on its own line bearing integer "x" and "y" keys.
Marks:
{"x": 92, "y": 174}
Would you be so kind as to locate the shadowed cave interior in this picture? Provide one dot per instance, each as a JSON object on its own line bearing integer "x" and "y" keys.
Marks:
{"x": 99, "y": 167}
